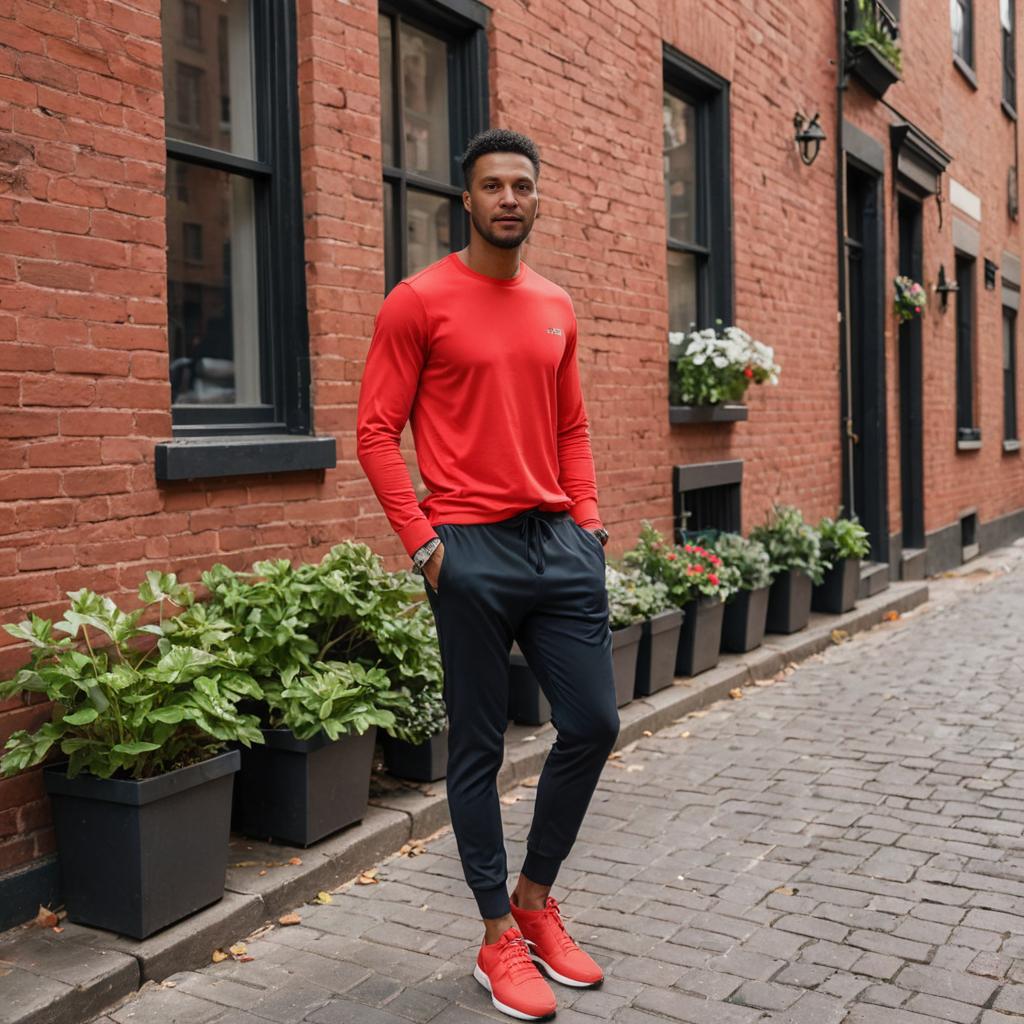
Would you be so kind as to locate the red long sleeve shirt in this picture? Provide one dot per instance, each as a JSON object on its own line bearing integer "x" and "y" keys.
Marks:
{"x": 485, "y": 370}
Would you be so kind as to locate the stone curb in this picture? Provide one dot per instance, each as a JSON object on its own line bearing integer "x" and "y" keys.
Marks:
{"x": 64, "y": 978}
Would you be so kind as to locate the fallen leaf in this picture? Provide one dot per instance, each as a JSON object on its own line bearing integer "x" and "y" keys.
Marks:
{"x": 509, "y": 800}
{"x": 647, "y": 732}
{"x": 736, "y": 693}
{"x": 238, "y": 949}
{"x": 891, "y": 616}
{"x": 260, "y": 932}
{"x": 295, "y": 861}
{"x": 168, "y": 984}
{"x": 839, "y": 636}
{"x": 263, "y": 872}
{"x": 57, "y": 929}
{"x": 46, "y": 918}
{"x": 245, "y": 959}
{"x": 785, "y": 890}
{"x": 615, "y": 755}
{"x": 684, "y": 735}
{"x": 245, "y": 863}
{"x": 289, "y": 919}
{"x": 532, "y": 781}
{"x": 526, "y": 739}
{"x": 324, "y": 897}
{"x": 219, "y": 956}
{"x": 696, "y": 714}
{"x": 368, "y": 877}
{"x": 634, "y": 767}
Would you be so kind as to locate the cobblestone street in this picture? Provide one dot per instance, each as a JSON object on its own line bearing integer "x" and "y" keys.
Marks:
{"x": 842, "y": 846}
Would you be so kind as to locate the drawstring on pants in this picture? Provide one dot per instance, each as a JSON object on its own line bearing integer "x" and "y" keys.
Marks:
{"x": 532, "y": 528}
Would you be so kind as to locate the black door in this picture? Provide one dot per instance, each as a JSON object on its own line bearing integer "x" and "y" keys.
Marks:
{"x": 865, "y": 490}
{"x": 911, "y": 400}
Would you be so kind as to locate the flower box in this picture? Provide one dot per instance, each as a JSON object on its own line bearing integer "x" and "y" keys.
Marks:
{"x": 873, "y": 69}
{"x": 726, "y": 412}
{"x": 527, "y": 704}
{"x": 744, "y": 621}
{"x": 789, "y": 602}
{"x": 417, "y": 762}
{"x": 136, "y": 856}
{"x": 700, "y": 638}
{"x": 656, "y": 658}
{"x": 298, "y": 791}
{"x": 625, "y": 649}
{"x": 837, "y": 593}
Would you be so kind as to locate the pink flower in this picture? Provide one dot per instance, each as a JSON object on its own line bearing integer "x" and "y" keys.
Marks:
{"x": 697, "y": 569}
{"x": 715, "y": 560}
{"x": 712, "y": 578}
{"x": 688, "y": 549}
{"x": 671, "y": 556}
{"x": 917, "y": 309}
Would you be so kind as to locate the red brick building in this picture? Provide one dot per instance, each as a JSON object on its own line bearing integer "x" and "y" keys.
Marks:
{"x": 202, "y": 203}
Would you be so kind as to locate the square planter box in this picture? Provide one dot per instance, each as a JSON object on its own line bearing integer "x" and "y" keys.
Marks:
{"x": 873, "y": 70}
{"x": 656, "y": 659}
{"x": 625, "y": 649}
{"x": 700, "y": 639}
{"x": 298, "y": 791}
{"x": 789, "y": 602}
{"x": 744, "y": 621}
{"x": 137, "y": 856}
{"x": 527, "y": 704}
{"x": 419, "y": 762}
{"x": 837, "y": 592}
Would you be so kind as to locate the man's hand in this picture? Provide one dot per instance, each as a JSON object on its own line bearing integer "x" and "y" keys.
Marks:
{"x": 432, "y": 567}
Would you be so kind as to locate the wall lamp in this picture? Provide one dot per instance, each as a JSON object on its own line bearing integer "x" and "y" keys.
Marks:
{"x": 809, "y": 137}
{"x": 945, "y": 288}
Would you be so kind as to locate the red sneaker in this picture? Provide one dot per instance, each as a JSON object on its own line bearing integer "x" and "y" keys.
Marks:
{"x": 552, "y": 947}
{"x": 505, "y": 969}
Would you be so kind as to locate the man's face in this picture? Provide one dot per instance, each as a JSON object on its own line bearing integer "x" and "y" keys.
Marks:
{"x": 502, "y": 198}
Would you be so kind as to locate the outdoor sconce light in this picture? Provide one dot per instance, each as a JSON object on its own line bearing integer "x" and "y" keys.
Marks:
{"x": 944, "y": 287}
{"x": 809, "y": 137}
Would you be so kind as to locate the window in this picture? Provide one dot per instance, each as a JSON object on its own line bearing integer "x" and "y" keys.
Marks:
{"x": 966, "y": 431}
{"x": 1009, "y": 374}
{"x": 192, "y": 24}
{"x": 433, "y": 100}
{"x": 695, "y": 149}
{"x": 961, "y": 16}
{"x": 1006, "y": 21}
{"x": 236, "y": 290}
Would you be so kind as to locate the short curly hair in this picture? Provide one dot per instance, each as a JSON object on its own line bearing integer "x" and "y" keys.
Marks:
{"x": 498, "y": 140}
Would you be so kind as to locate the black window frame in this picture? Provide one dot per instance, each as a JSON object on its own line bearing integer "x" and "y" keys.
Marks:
{"x": 1011, "y": 423}
{"x": 708, "y": 93}
{"x": 1008, "y": 39}
{"x": 967, "y": 432}
{"x": 462, "y": 25}
{"x": 211, "y": 440}
{"x": 965, "y": 60}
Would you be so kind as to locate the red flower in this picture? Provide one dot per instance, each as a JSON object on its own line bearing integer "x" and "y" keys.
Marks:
{"x": 715, "y": 560}
{"x": 713, "y": 578}
{"x": 688, "y": 549}
{"x": 917, "y": 309}
{"x": 671, "y": 556}
{"x": 697, "y": 569}
{"x": 748, "y": 373}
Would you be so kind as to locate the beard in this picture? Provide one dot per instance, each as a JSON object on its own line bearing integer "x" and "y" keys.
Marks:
{"x": 502, "y": 241}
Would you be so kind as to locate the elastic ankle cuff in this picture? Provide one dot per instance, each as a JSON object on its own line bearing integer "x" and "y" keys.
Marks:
{"x": 493, "y": 903}
{"x": 540, "y": 869}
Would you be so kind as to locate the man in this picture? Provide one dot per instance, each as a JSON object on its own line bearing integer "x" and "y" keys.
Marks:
{"x": 478, "y": 352}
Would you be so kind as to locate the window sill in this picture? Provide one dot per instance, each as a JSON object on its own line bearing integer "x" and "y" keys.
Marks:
{"x": 968, "y": 446}
{"x": 203, "y": 457}
{"x": 727, "y": 413}
{"x": 966, "y": 70}
{"x": 1009, "y": 111}
{"x": 1011, "y": 445}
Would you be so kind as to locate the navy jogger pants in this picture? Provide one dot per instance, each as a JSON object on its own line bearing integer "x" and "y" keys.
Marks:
{"x": 536, "y": 578}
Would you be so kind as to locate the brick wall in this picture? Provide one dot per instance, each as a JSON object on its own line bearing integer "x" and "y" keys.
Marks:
{"x": 83, "y": 362}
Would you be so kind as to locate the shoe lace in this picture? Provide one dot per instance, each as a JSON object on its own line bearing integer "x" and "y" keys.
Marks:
{"x": 515, "y": 955}
{"x": 564, "y": 938}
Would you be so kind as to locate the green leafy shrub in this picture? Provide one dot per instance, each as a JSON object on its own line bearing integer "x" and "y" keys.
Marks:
{"x": 791, "y": 543}
{"x": 872, "y": 32}
{"x": 633, "y": 596}
{"x": 843, "y": 538}
{"x": 124, "y": 708}
{"x": 688, "y": 571}
{"x": 424, "y": 717}
{"x": 748, "y": 558}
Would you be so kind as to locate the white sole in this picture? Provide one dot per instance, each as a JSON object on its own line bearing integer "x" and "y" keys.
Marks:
{"x": 560, "y": 978}
{"x": 518, "y": 1014}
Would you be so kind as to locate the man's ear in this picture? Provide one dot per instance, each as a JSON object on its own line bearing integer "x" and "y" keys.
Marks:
{"x": 466, "y": 203}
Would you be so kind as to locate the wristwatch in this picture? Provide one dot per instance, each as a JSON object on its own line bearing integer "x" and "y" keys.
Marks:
{"x": 423, "y": 554}
{"x": 601, "y": 534}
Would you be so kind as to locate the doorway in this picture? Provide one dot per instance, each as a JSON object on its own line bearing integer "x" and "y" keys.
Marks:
{"x": 911, "y": 264}
{"x": 865, "y": 487}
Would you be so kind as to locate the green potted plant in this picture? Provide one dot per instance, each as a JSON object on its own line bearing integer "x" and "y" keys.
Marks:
{"x": 844, "y": 542}
{"x": 416, "y": 747}
{"x": 698, "y": 581}
{"x": 143, "y": 715}
{"x": 317, "y": 634}
{"x": 633, "y": 598}
{"x": 794, "y": 549}
{"x": 873, "y": 52}
{"x": 746, "y": 609}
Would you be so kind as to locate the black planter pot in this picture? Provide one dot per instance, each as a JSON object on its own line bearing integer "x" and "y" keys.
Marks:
{"x": 744, "y": 621}
{"x": 418, "y": 762}
{"x": 298, "y": 791}
{"x": 700, "y": 639}
{"x": 625, "y": 649}
{"x": 873, "y": 69}
{"x": 527, "y": 704}
{"x": 656, "y": 659}
{"x": 837, "y": 592}
{"x": 137, "y": 856}
{"x": 789, "y": 602}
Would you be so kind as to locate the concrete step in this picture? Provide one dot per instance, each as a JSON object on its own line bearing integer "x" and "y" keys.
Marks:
{"x": 912, "y": 562}
{"x": 874, "y": 578}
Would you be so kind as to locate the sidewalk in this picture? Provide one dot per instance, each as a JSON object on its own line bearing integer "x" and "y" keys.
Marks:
{"x": 69, "y": 977}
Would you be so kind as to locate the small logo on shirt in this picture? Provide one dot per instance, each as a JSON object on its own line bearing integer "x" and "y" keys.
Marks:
{"x": 554, "y": 330}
